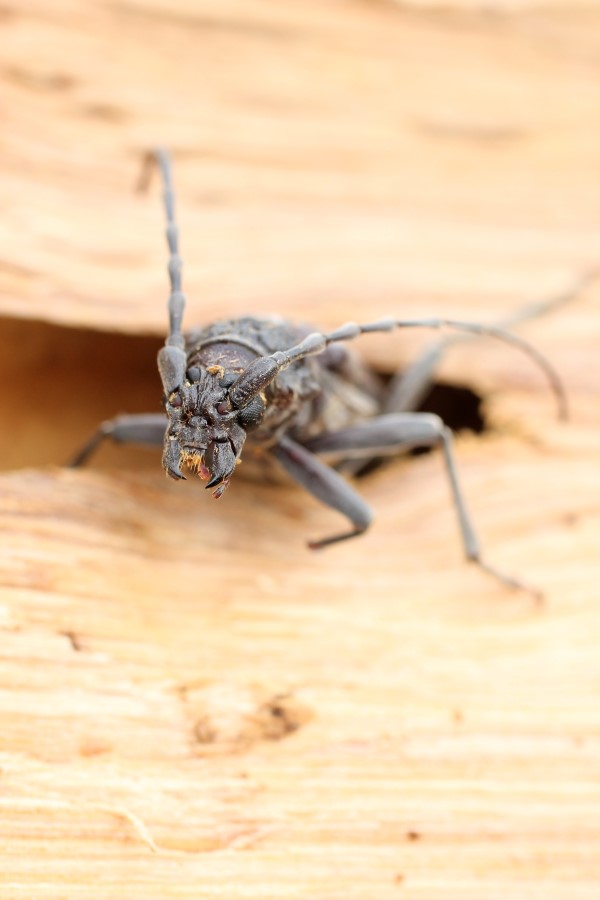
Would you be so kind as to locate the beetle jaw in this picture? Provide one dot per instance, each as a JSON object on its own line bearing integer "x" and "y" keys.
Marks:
{"x": 214, "y": 464}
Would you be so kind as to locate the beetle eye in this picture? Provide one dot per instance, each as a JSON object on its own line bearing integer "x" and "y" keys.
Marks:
{"x": 251, "y": 415}
{"x": 223, "y": 407}
{"x": 176, "y": 401}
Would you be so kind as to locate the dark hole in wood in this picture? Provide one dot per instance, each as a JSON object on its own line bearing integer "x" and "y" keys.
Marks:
{"x": 457, "y": 405}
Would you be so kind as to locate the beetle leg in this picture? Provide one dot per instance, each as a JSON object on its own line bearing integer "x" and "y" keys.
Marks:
{"x": 144, "y": 428}
{"x": 392, "y": 433}
{"x": 327, "y": 486}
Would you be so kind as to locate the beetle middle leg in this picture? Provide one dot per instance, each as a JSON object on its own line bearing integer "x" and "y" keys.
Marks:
{"x": 147, "y": 429}
{"x": 391, "y": 434}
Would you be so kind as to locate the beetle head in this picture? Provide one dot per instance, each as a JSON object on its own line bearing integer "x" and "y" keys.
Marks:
{"x": 206, "y": 430}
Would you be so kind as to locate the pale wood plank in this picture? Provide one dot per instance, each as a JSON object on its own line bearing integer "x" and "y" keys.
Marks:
{"x": 191, "y": 705}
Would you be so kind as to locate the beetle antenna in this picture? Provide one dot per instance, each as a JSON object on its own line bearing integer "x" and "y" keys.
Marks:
{"x": 162, "y": 159}
{"x": 264, "y": 370}
{"x": 347, "y": 332}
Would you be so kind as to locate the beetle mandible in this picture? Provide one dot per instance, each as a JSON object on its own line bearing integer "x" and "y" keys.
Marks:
{"x": 297, "y": 394}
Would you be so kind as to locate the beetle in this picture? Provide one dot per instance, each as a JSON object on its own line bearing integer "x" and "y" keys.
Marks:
{"x": 296, "y": 395}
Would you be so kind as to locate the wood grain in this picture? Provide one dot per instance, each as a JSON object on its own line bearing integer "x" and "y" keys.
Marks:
{"x": 330, "y": 157}
{"x": 191, "y": 704}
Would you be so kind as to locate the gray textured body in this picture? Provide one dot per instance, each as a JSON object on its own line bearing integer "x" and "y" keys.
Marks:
{"x": 317, "y": 394}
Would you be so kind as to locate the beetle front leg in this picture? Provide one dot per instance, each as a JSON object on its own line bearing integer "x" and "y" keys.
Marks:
{"x": 387, "y": 435}
{"x": 327, "y": 486}
{"x": 147, "y": 429}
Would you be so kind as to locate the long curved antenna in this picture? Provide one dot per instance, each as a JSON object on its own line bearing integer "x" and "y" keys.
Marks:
{"x": 264, "y": 370}
{"x": 172, "y": 357}
{"x": 408, "y": 388}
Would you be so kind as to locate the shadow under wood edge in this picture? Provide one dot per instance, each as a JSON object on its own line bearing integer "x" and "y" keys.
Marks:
{"x": 60, "y": 383}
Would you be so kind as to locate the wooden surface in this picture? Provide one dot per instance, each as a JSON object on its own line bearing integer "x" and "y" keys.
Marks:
{"x": 191, "y": 704}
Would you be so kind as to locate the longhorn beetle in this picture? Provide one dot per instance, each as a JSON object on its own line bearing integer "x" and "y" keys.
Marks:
{"x": 298, "y": 395}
